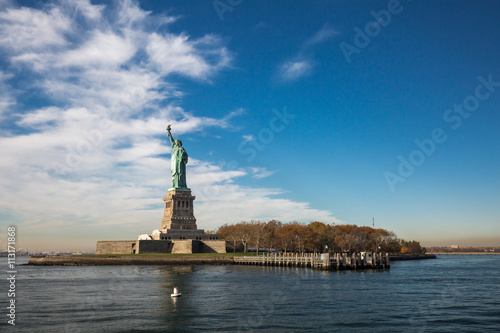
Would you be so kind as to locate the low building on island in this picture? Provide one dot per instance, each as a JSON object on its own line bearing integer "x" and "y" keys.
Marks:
{"x": 178, "y": 232}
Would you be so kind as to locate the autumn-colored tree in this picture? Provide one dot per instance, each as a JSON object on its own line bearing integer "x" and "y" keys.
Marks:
{"x": 319, "y": 237}
{"x": 363, "y": 241}
{"x": 392, "y": 245}
{"x": 298, "y": 232}
{"x": 285, "y": 237}
{"x": 244, "y": 233}
{"x": 412, "y": 247}
{"x": 270, "y": 239}
{"x": 228, "y": 232}
{"x": 346, "y": 237}
{"x": 316, "y": 236}
{"x": 258, "y": 233}
{"x": 379, "y": 237}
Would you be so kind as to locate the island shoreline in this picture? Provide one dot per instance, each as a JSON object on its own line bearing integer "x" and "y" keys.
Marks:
{"x": 115, "y": 261}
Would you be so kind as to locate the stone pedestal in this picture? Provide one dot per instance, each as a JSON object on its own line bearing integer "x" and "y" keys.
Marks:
{"x": 178, "y": 212}
{"x": 178, "y": 221}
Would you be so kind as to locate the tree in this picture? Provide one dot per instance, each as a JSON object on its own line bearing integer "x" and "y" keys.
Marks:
{"x": 270, "y": 238}
{"x": 346, "y": 238}
{"x": 379, "y": 237}
{"x": 258, "y": 233}
{"x": 228, "y": 232}
{"x": 244, "y": 234}
{"x": 316, "y": 236}
{"x": 392, "y": 245}
{"x": 297, "y": 232}
{"x": 363, "y": 239}
{"x": 285, "y": 237}
{"x": 319, "y": 236}
{"x": 412, "y": 247}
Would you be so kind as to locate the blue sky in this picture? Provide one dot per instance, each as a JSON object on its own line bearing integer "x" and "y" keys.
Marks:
{"x": 337, "y": 111}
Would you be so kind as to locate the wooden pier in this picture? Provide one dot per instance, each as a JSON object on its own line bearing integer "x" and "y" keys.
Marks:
{"x": 325, "y": 261}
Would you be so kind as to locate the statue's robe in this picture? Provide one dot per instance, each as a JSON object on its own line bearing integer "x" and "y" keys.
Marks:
{"x": 179, "y": 161}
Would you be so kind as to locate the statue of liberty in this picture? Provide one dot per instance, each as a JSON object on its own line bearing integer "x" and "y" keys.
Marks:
{"x": 179, "y": 161}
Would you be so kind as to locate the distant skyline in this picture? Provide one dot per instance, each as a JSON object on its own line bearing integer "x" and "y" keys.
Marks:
{"x": 331, "y": 111}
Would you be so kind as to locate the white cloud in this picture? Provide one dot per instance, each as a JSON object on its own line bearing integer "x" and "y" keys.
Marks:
{"x": 6, "y": 95}
{"x": 240, "y": 203}
{"x": 260, "y": 173}
{"x": 235, "y": 113}
{"x": 326, "y": 32}
{"x": 248, "y": 138}
{"x": 91, "y": 12}
{"x": 129, "y": 13}
{"x": 41, "y": 117}
{"x": 302, "y": 63}
{"x": 294, "y": 70}
{"x": 102, "y": 49}
{"x": 177, "y": 54}
{"x": 25, "y": 28}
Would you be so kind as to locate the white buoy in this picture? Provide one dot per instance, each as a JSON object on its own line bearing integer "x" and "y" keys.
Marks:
{"x": 176, "y": 293}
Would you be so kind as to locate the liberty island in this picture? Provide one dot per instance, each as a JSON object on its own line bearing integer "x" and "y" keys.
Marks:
{"x": 178, "y": 231}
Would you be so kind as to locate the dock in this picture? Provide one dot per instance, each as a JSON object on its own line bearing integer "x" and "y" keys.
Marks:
{"x": 323, "y": 261}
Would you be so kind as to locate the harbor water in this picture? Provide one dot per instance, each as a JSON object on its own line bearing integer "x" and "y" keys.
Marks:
{"x": 448, "y": 294}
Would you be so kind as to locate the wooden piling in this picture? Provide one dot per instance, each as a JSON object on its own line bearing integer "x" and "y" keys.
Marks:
{"x": 325, "y": 261}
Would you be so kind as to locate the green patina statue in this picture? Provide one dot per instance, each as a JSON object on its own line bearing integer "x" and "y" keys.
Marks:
{"x": 179, "y": 161}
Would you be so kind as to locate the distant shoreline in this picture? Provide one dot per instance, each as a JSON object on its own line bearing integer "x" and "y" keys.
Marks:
{"x": 401, "y": 257}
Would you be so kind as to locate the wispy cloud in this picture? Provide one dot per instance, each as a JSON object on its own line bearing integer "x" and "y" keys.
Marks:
{"x": 23, "y": 29}
{"x": 235, "y": 113}
{"x": 294, "y": 70}
{"x": 302, "y": 63}
{"x": 260, "y": 173}
{"x": 248, "y": 138}
{"x": 325, "y": 33}
{"x": 177, "y": 54}
{"x": 6, "y": 95}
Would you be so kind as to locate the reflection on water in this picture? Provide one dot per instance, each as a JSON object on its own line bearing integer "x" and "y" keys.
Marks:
{"x": 450, "y": 294}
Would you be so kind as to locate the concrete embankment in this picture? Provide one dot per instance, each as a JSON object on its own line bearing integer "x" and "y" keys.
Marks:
{"x": 100, "y": 261}
{"x": 88, "y": 261}
{"x": 399, "y": 257}
{"x": 468, "y": 253}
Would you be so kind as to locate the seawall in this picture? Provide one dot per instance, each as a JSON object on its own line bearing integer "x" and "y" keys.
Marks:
{"x": 99, "y": 261}
{"x": 399, "y": 257}
{"x": 86, "y": 261}
{"x": 468, "y": 253}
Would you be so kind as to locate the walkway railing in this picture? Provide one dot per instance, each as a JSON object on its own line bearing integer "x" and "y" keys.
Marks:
{"x": 328, "y": 261}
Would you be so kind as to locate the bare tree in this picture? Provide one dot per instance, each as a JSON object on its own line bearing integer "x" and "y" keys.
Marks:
{"x": 285, "y": 237}
{"x": 379, "y": 237}
{"x": 228, "y": 232}
{"x": 258, "y": 233}
{"x": 244, "y": 234}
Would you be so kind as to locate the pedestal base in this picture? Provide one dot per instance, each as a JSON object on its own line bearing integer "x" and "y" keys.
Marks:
{"x": 173, "y": 234}
{"x": 161, "y": 246}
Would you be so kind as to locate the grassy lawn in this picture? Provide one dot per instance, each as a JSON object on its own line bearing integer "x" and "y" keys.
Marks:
{"x": 168, "y": 255}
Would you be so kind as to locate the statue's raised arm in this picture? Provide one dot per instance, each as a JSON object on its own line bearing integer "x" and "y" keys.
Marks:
{"x": 170, "y": 135}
